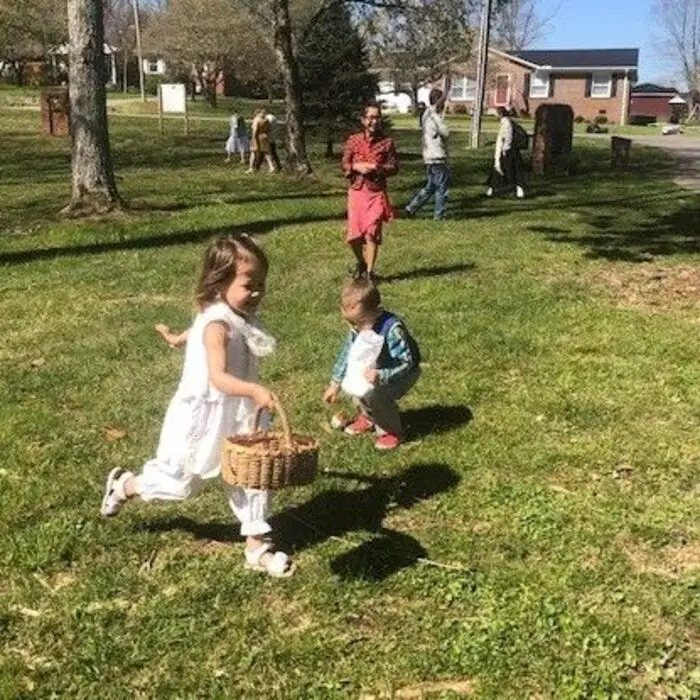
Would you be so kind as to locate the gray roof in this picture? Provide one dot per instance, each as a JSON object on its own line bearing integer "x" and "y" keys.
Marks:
{"x": 645, "y": 88}
{"x": 582, "y": 58}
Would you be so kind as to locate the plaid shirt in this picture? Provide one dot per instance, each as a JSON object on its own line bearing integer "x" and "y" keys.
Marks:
{"x": 380, "y": 150}
{"x": 395, "y": 359}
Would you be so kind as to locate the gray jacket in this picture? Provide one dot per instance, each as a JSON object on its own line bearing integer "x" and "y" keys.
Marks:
{"x": 435, "y": 133}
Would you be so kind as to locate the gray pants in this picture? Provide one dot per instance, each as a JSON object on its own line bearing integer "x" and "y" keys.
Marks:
{"x": 380, "y": 404}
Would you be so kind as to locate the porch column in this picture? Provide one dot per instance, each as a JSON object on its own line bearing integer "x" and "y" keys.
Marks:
{"x": 113, "y": 61}
{"x": 624, "y": 111}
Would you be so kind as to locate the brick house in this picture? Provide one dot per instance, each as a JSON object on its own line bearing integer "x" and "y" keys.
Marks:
{"x": 595, "y": 82}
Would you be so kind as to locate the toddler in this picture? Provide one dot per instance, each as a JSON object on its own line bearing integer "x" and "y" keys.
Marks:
{"x": 218, "y": 396}
{"x": 397, "y": 366}
{"x": 237, "y": 141}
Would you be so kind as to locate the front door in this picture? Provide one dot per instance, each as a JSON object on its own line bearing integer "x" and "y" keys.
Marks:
{"x": 502, "y": 97}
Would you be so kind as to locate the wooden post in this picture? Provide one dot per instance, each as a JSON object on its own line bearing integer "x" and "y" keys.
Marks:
{"x": 620, "y": 152}
{"x": 481, "y": 74}
{"x": 624, "y": 116}
{"x": 139, "y": 51}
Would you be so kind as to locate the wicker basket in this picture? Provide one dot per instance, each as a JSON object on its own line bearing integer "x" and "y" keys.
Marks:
{"x": 269, "y": 460}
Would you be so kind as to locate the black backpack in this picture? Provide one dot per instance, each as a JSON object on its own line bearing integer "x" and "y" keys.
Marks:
{"x": 521, "y": 141}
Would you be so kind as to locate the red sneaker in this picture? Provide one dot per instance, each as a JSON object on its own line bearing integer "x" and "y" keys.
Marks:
{"x": 388, "y": 441}
{"x": 360, "y": 425}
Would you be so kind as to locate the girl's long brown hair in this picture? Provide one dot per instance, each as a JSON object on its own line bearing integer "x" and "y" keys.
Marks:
{"x": 219, "y": 266}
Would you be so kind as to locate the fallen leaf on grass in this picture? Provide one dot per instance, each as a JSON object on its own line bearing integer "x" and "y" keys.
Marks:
{"x": 112, "y": 434}
{"x": 623, "y": 471}
{"x": 421, "y": 690}
{"x": 27, "y": 612}
{"x": 147, "y": 565}
{"x": 39, "y": 362}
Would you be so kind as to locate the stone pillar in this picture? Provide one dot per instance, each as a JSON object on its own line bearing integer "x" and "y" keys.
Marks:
{"x": 55, "y": 111}
{"x": 553, "y": 140}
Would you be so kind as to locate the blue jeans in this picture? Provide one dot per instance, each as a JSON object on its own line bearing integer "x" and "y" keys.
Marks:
{"x": 438, "y": 182}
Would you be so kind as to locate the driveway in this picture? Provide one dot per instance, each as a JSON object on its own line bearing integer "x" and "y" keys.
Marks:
{"x": 686, "y": 149}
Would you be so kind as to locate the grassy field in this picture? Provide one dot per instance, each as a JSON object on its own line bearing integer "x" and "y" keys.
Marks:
{"x": 536, "y": 538}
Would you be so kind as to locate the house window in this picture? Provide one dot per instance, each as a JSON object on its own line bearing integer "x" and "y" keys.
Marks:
{"x": 463, "y": 88}
{"x": 152, "y": 66}
{"x": 539, "y": 85}
{"x": 601, "y": 85}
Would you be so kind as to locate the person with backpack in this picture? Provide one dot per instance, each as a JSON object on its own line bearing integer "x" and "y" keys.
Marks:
{"x": 508, "y": 169}
{"x": 435, "y": 133}
{"x": 386, "y": 367}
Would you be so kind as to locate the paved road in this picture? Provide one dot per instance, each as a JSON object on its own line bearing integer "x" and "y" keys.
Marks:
{"x": 686, "y": 149}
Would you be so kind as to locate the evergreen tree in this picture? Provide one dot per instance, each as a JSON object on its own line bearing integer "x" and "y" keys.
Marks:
{"x": 335, "y": 73}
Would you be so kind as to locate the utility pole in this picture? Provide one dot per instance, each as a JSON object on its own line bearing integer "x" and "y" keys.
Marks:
{"x": 483, "y": 59}
{"x": 139, "y": 52}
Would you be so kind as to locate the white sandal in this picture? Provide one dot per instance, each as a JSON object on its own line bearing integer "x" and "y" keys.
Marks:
{"x": 114, "y": 495}
{"x": 275, "y": 564}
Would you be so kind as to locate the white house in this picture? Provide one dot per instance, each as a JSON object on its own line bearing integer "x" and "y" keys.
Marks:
{"x": 154, "y": 66}
{"x": 59, "y": 59}
{"x": 393, "y": 100}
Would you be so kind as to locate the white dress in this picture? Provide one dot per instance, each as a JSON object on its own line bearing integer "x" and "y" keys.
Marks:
{"x": 237, "y": 141}
{"x": 200, "y": 416}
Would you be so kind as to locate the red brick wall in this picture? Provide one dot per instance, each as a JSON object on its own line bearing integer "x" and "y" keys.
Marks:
{"x": 656, "y": 106}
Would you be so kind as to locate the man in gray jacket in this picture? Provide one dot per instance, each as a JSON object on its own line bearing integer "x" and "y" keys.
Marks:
{"x": 435, "y": 133}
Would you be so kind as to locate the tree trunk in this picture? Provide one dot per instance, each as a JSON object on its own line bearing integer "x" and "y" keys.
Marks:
{"x": 94, "y": 187}
{"x": 414, "y": 89}
{"x": 328, "y": 119}
{"x": 284, "y": 48}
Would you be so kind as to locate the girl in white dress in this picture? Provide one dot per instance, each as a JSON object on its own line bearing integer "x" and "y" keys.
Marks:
{"x": 237, "y": 141}
{"x": 217, "y": 396}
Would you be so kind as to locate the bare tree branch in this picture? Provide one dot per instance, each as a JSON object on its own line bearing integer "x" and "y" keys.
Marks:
{"x": 679, "y": 24}
{"x": 519, "y": 23}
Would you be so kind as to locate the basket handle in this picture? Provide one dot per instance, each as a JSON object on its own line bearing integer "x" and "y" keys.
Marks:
{"x": 286, "y": 430}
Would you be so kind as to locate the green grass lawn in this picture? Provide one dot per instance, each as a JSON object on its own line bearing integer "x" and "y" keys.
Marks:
{"x": 536, "y": 538}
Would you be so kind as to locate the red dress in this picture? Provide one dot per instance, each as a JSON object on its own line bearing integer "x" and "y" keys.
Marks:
{"x": 368, "y": 203}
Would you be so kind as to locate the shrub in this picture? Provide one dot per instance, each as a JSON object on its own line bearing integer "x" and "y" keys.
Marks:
{"x": 152, "y": 82}
{"x": 459, "y": 108}
{"x": 596, "y": 128}
{"x": 580, "y": 119}
{"x": 642, "y": 119}
{"x": 600, "y": 119}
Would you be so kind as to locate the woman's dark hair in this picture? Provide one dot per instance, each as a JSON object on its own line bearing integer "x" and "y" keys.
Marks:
{"x": 221, "y": 259}
{"x": 434, "y": 96}
{"x": 371, "y": 105}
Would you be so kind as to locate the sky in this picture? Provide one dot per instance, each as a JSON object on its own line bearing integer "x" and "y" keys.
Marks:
{"x": 606, "y": 24}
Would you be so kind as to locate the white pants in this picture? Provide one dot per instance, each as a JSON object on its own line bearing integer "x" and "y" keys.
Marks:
{"x": 159, "y": 482}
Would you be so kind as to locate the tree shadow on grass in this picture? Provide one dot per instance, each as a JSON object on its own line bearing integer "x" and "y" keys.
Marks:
{"x": 256, "y": 228}
{"x": 430, "y": 420}
{"x": 613, "y": 238}
{"x": 336, "y": 512}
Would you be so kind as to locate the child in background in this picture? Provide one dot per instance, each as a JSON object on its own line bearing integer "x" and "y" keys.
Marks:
{"x": 397, "y": 367}
{"x": 260, "y": 142}
{"x": 218, "y": 396}
{"x": 237, "y": 141}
